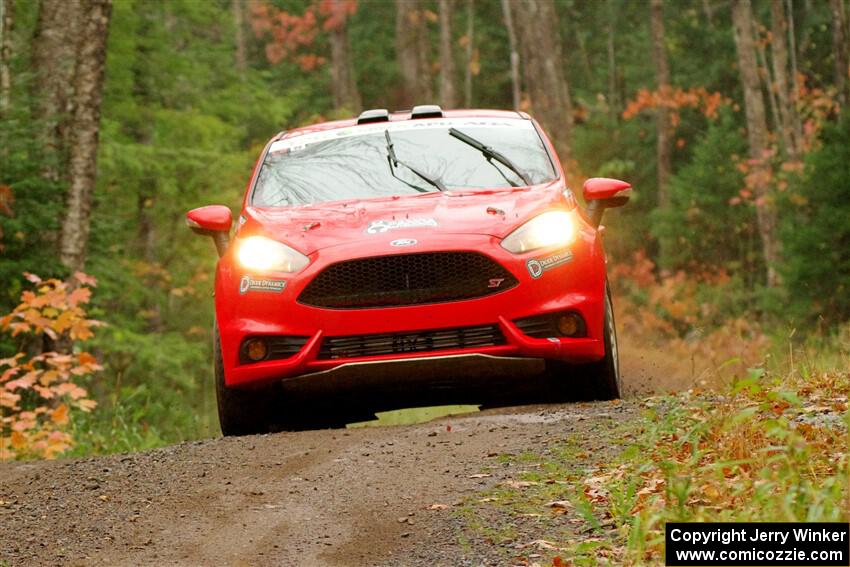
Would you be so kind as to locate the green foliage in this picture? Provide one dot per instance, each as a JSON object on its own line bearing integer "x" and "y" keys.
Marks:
{"x": 817, "y": 234}
{"x": 702, "y": 229}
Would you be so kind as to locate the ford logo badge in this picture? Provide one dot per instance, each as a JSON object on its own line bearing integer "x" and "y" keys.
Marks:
{"x": 404, "y": 242}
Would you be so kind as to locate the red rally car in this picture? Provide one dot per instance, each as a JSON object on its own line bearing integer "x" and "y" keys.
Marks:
{"x": 409, "y": 258}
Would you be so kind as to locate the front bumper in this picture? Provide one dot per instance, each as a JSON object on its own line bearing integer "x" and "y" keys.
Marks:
{"x": 577, "y": 285}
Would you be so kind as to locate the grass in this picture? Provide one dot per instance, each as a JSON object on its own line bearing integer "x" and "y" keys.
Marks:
{"x": 769, "y": 448}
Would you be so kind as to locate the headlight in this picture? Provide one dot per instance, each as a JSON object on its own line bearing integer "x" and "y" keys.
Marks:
{"x": 264, "y": 254}
{"x": 554, "y": 228}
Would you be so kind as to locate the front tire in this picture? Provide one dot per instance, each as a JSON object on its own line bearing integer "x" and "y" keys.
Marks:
{"x": 241, "y": 412}
{"x": 603, "y": 377}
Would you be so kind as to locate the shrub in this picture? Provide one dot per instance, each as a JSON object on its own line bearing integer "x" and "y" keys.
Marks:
{"x": 817, "y": 234}
{"x": 38, "y": 391}
{"x": 702, "y": 227}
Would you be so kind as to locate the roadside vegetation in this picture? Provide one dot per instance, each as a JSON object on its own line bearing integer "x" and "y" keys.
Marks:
{"x": 770, "y": 448}
{"x": 756, "y": 430}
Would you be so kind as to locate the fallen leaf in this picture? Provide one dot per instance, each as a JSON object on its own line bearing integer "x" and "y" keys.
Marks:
{"x": 519, "y": 483}
{"x": 541, "y": 544}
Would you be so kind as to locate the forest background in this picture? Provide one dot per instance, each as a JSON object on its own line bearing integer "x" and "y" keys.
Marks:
{"x": 728, "y": 116}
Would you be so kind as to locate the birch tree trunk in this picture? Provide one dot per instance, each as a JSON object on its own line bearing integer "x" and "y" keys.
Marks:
{"x": 779, "y": 52}
{"x": 663, "y": 147}
{"x": 543, "y": 69}
{"x": 448, "y": 89}
{"x": 84, "y": 131}
{"x": 757, "y": 137}
{"x": 411, "y": 40}
{"x": 509, "y": 25}
{"x": 7, "y": 26}
{"x": 344, "y": 86}
{"x": 53, "y": 61}
{"x": 841, "y": 49}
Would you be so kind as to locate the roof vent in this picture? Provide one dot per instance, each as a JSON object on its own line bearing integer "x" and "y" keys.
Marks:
{"x": 374, "y": 115}
{"x": 426, "y": 111}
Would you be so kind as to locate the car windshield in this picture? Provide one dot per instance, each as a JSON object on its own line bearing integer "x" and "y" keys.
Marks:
{"x": 352, "y": 162}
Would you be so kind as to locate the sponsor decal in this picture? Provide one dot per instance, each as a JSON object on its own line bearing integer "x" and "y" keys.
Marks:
{"x": 537, "y": 266}
{"x": 247, "y": 283}
{"x": 404, "y": 242}
{"x": 381, "y": 226}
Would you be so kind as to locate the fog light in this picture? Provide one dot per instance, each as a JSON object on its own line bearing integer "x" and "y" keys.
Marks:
{"x": 256, "y": 349}
{"x": 569, "y": 325}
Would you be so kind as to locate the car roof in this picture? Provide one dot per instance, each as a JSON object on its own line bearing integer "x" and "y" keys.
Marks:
{"x": 402, "y": 115}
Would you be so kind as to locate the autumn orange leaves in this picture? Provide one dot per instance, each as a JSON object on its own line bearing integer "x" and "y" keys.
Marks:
{"x": 38, "y": 391}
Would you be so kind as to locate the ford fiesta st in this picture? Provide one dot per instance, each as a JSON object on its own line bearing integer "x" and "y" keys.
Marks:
{"x": 406, "y": 258}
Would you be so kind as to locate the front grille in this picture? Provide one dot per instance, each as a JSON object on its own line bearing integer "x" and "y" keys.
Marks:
{"x": 415, "y": 341}
{"x": 278, "y": 346}
{"x": 406, "y": 279}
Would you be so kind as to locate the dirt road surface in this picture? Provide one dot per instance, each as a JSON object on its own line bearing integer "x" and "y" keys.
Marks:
{"x": 326, "y": 498}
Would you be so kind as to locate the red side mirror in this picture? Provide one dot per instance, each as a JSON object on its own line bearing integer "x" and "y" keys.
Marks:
{"x": 605, "y": 188}
{"x": 602, "y": 193}
{"x": 213, "y": 220}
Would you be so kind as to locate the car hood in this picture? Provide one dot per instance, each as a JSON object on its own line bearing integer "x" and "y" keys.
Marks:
{"x": 492, "y": 212}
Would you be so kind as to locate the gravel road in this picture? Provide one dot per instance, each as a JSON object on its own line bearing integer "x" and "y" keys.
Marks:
{"x": 360, "y": 496}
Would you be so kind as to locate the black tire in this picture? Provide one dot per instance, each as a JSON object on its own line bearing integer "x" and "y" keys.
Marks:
{"x": 594, "y": 381}
{"x": 603, "y": 378}
{"x": 241, "y": 412}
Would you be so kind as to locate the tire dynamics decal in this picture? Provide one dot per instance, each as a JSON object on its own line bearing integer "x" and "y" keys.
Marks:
{"x": 247, "y": 283}
{"x": 381, "y": 226}
{"x": 536, "y": 266}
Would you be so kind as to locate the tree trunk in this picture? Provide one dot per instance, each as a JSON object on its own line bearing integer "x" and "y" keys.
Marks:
{"x": 708, "y": 9}
{"x": 7, "y": 25}
{"x": 779, "y": 52}
{"x": 238, "y": 9}
{"x": 613, "y": 106}
{"x": 448, "y": 90}
{"x": 764, "y": 71}
{"x": 343, "y": 84}
{"x": 411, "y": 39}
{"x": 85, "y": 129}
{"x": 663, "y": 148}
{"x": 509, "y": 25}
{"x": 840, "y": 49}
{"x": 53, "y": 62}
{"x": 796, "y": 119}
{"x": 757, "y": 137}
{"x": 470, "y": 51}
{"x": 540, "y": 50}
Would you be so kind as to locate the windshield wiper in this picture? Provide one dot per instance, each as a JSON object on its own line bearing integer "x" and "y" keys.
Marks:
{"x": 393, "y": 160}
{"x": 490, "y": 154}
